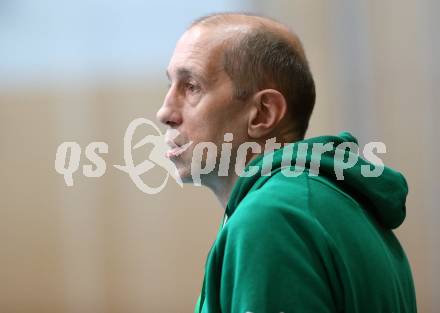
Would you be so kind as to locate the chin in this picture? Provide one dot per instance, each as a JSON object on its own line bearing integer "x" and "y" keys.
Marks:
{"x": 183, "y": 166}
{"x": 187, "y": 178}
{"x": 184, "y": 173}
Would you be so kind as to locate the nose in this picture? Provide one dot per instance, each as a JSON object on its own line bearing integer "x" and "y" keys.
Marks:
{"x": 169, "y": 113}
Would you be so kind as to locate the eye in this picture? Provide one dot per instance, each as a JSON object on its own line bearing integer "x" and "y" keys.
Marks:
{"x": 191, "y": 87}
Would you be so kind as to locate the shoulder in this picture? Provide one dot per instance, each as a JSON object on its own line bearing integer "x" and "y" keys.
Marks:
{"x": 300, "y": 196}
{"x": 278, "y": 210}
{"x": 284, "y": 204}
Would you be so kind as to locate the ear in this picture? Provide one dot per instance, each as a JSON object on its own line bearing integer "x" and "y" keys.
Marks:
{"x": 269, "y": 107}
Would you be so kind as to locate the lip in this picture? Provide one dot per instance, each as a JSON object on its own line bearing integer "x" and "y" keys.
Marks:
{"x": 175, "y": 142}
{"x": 171, "y": 143}
{"x": 173, "y": 138}
{"x": 174, "y": 152}
{"x": 175, "y": 148}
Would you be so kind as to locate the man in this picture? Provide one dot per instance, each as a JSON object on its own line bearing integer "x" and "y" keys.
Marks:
{"x": 315, "y": 237}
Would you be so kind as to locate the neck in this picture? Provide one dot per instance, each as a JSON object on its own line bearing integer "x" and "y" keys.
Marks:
{"x": 222, "y": 186}
{"x": 223, "y": 189}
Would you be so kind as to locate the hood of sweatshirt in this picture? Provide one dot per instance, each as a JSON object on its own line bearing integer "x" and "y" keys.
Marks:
{"x": 337, "y": 159}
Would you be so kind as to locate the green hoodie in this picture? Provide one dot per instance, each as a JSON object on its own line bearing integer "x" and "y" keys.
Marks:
{"x": 311, "y": 243}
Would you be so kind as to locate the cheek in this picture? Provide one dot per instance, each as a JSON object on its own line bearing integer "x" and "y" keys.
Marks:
{"x": 205, "y": 126}
{"x": 213, "y": 117}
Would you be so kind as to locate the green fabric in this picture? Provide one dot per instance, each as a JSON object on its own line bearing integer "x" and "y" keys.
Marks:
{"x": 309, "y": 243}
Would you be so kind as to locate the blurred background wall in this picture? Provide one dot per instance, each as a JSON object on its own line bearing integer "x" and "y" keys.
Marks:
{"x": 83, "y": 70}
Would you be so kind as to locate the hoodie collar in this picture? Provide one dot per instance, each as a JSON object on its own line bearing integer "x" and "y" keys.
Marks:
{"x": 384, "y": 195}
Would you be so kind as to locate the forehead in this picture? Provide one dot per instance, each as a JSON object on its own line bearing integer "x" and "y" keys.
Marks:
{"x": 199, "y": 50}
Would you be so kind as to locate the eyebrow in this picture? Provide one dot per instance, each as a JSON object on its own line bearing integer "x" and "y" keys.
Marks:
{"x": 185, "y": 72}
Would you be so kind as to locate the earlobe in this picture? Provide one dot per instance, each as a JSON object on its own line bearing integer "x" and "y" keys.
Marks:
{"x": 269, "y": 108}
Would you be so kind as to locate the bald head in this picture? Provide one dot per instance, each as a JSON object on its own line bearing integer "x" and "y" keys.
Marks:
{"x": 240, "y": 24}
{"x": 261, "y": 53}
